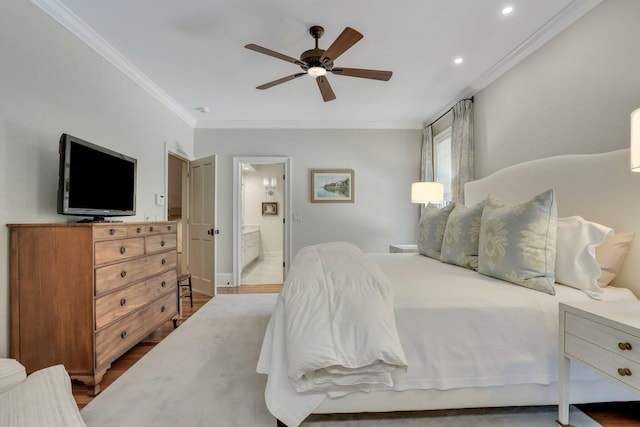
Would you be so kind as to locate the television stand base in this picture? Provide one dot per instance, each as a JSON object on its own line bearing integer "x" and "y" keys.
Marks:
{"x": 97, "y": 219}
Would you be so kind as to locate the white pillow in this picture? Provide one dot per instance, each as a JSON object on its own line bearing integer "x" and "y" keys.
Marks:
{"x": 611, "y": 255}
{"x": 576, "y": 264}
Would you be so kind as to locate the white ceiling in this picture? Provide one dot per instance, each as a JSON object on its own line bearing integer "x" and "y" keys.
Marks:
{"x": 191, "y": 54}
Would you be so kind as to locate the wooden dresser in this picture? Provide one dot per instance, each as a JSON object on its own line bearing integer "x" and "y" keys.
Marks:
{"x": 81, "y": 295}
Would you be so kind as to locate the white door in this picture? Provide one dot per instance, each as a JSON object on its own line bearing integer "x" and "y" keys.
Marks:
{"x": 202, "y": 231}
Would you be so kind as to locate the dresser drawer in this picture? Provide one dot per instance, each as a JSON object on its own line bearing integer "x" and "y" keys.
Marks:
{"x": 161, "y": 242}
{"x": 607, "y": 337}
{"x": 109, "y": 232}
{"x": 607, "y": 362}
{"x": 117, "y": 338}
{"x": 112, "y": 306}
{"x": 137, "y": 230}
{"x": 115, "y": 276}
{"x": 169, "y": 228}
{"x": 117, "y": 250}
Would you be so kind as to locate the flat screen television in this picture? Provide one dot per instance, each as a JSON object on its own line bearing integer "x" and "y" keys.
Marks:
{"x": 94, "y": 181}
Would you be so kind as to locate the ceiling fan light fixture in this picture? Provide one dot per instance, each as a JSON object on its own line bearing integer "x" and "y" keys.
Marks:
{"x": 316, "y": 71}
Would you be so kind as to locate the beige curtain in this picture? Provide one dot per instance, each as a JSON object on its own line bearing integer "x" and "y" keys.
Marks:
{"x": 462, "y": 151}
{"x": 426, "y": 169}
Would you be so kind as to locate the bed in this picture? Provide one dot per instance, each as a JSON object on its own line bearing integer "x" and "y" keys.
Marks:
{"x": 471, "y": 340}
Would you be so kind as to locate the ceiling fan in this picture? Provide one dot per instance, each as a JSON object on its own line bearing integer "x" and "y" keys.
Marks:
{"x": 317, "y": 62}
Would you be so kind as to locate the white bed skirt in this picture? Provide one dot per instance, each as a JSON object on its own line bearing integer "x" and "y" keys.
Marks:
{"x": 582, "y": 391}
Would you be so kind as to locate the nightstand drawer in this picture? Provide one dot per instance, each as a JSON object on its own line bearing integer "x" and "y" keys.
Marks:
{"x": 611, "y": 339}
{"x": 607, "y": 362}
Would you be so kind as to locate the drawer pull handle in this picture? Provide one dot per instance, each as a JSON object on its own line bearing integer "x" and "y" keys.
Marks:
{"x": 169, "y": 228}
{"x": 123, "y": 274}
{"x": 123, "y": 250}
{"x": 624, "y": 372}
{"x": 162, "y": 243}
{"x": 163, "y": 284}
{"x": 123, "y": 335}
{"x": 624, "y": 346}
{"x": 162, "y": 309}
{"x": 164, "y": 261}
{"x": 123, "y": 301}
{"x": 138, "y": 230}
{"x": 112, "y": 231}
{"x": 150, "y": 228}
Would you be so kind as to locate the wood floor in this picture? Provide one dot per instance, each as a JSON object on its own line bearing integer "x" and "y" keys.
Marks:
{"x": 609, "y": 415}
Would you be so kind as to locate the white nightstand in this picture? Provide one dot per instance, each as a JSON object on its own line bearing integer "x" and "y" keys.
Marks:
{"x": 604, "y": 336}
{"x": 404, "y": 249}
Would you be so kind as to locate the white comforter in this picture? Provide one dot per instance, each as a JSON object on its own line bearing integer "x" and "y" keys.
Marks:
{"x": 458, "y": 329}
{"x": 340, "y": 321}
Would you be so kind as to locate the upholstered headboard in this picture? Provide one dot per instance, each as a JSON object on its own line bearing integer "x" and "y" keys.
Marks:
{"x": 598, "y": 187}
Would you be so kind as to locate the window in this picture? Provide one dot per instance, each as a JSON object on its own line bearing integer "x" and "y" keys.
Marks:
{"x": 442, "y": 161}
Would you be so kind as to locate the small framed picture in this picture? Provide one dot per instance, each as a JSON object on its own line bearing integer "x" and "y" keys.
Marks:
{"x": 269, "y": 208}
{"x": 332, "y": 186}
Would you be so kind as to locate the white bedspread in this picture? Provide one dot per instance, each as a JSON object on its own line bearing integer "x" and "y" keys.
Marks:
{"x": 340, "y": 321}
{"x": 458, "y": 329}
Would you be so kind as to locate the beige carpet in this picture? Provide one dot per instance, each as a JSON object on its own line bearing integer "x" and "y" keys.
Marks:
{"x": 203, "y": 374}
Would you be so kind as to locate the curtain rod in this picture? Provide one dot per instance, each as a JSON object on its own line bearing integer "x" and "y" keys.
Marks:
{"x": 447, "y": 112}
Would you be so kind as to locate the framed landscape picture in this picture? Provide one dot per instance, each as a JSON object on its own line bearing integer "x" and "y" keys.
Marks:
{"x": 332, "y": 186}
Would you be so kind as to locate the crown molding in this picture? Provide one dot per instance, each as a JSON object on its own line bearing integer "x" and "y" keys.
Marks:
{"x": 304, "y": 124}
{"x": 73, "y": 23}
{"x": 567, "y": 16}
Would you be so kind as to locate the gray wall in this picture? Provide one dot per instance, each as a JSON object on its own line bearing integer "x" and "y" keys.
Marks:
{"x": 51, "y": 83}
{"x": 574, "y": 95}
{"x": 386, "y": 162}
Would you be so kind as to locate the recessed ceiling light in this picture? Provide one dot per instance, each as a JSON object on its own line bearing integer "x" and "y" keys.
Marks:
{"x": 203, "y": 109}
{"x": 507, "y": 10}
{"x": 458, "y": 61}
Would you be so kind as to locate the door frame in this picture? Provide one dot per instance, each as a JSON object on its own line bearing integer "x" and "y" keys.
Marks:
{"x": 237, "y": 209}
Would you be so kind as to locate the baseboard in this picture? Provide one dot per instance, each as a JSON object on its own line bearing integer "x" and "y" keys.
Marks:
{"x": 272, "y": 256}
{"x": 224, "y": 280}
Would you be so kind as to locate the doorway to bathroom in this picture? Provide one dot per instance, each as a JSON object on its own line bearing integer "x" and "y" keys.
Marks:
{"x": 261, "y": 226}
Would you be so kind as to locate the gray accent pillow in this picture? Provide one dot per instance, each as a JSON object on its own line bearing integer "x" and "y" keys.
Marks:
{"x": 461, "y": 236}
{"x": 518, "y": 243}
{"x": 431, "y": 229}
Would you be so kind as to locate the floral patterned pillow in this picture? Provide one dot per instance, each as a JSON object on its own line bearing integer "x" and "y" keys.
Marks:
{"x": 461, "y": 236}
{"x": 518, "y": 243}
{"x": 431, "y": 230}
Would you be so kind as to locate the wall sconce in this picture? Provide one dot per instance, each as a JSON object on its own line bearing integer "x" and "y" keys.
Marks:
{"x": 270, "y": 186}
{"x": 427, "y": 192}
{"x": 635, "y": 141}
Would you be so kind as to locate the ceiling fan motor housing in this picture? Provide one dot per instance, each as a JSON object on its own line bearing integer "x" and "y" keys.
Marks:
{"x": 312, "y": 58}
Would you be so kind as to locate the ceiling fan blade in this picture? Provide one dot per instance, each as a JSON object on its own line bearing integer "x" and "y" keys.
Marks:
{"x": 345, "y": 40}
{"x": 325, "y": 89}
{"x": 282, "y": 80}
{"x": 275, "y": 54}
{"x": 365, "y": 74}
